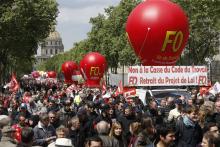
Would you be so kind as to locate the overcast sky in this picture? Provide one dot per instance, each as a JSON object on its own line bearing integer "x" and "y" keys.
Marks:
{"x": 73, "y": 19}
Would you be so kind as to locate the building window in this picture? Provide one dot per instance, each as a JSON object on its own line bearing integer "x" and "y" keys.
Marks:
{"x": 55, "y": 51}
{"x": 51, "y": 51}
{"x": 46, "y": 52}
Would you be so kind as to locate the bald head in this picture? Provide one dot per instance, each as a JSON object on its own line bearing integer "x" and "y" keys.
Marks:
{"x": 102, "y": 127}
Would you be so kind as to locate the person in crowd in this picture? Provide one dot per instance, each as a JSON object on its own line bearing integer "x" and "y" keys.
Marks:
{"x": 163, "y": 103}
{"x": 52, "y": 106}
{"x": 42, "y": 105}
{"x": 206, "y": 113}
{"x": 166, "y": 136}
{"x": 23, "y": 111}
{"x": 116, "y": 132}
{"x": 170, "y": 103}
{"x": 145, "y": 136}
{"x": 154, "y": 113}
{"x": 3, "y": 111}
{"x": 54, "y": 119}
{"x": 103, "y": 131}
{"x": 77, "y": 135}
{"x": 6, "y": 132}
{"x": 119, "y": 108}
{"x": 44, "y": 133}
{"x": 104, "y": 108}
{"x": 210, "y": 140}
{"x": 134, "y": 128}
{"x": 22, "y": 123}
{"x": 32, "y": 122}
{"x": 61, "y": 132}
{"x": 163, "y": 110}
{"x": 211, "y": 127}
{"x": 14, "y": 109}
{"x": 91, "y": 116}
{"x": 27, "y": 137}
{"x": 66, "y": 113}
{"x": 90, "y": 95}
{"x": 7, "y": 139}
{"x": 190, "y": 102}
{"x": 111, "y": 113}
{"x": 94, "y": 142}
{"x": 188, "y": 130}
{"x": 176, "y": 112}
{"x": 200, "y": 100}
{"x": 217, "y": 113}
{"x": 126, "y": 119}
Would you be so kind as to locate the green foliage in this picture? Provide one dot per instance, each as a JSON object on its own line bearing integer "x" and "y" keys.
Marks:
{"x": 23, "y": 23}
{"x": 204, "y": 18}
{"x": 108, "y": 35}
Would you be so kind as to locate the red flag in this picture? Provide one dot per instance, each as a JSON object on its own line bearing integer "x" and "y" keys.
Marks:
{"x": 129, "y": 92}
{"x": 120, "y": 89}
{"x": 14, "y": 85}
{"x": 104, "y": 88}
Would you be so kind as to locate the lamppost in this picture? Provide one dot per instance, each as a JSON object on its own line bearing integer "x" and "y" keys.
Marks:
{"x": 209, "y": 62}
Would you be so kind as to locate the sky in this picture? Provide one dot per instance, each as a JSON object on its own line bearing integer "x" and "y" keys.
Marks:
{"x": 73, "y": 19}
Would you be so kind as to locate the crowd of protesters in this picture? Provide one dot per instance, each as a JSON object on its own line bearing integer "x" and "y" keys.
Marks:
{"x": 46, "y": 115}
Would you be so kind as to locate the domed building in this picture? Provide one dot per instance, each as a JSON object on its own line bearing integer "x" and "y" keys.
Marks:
{"x": 51, "y": 46}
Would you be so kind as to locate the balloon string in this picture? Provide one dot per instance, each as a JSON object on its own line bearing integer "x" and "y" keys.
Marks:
{"x": 145, "y": 39}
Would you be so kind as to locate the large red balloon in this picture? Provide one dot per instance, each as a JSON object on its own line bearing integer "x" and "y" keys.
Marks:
{"x": 92, "y": 67}
{"x": 51, "y": 74}
{"x": 35, "y": 74}
{"x": 158, "y": 31}
{"x": 68, "y": 69}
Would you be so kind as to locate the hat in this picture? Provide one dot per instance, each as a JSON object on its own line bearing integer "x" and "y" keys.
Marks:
{"x": 8, "y": 129}
{"x": 178, "y": 102}
{"x": 63, "y": 142}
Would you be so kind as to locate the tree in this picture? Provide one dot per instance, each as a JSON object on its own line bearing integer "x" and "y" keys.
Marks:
{"x": 204, "y": 21}
{"x": 108, "y": 35}
{"x": 24, "y": 23}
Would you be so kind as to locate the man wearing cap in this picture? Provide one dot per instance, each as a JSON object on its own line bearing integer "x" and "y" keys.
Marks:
{"x": 7, "y": 132}
{"x": 176, "y": 112}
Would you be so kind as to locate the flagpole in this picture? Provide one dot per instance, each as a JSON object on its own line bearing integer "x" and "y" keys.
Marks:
{"x": 123, "y": 75}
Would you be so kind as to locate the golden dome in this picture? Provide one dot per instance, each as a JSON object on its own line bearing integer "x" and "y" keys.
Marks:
{"x": 54, "y": 36}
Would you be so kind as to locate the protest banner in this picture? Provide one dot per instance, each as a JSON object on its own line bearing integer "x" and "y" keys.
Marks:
{"x": 167, "y": 75}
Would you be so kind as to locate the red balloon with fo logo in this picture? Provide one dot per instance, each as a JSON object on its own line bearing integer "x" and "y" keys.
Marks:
{"x": 158, "y": 31}
{"x": 92, "y": 68}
